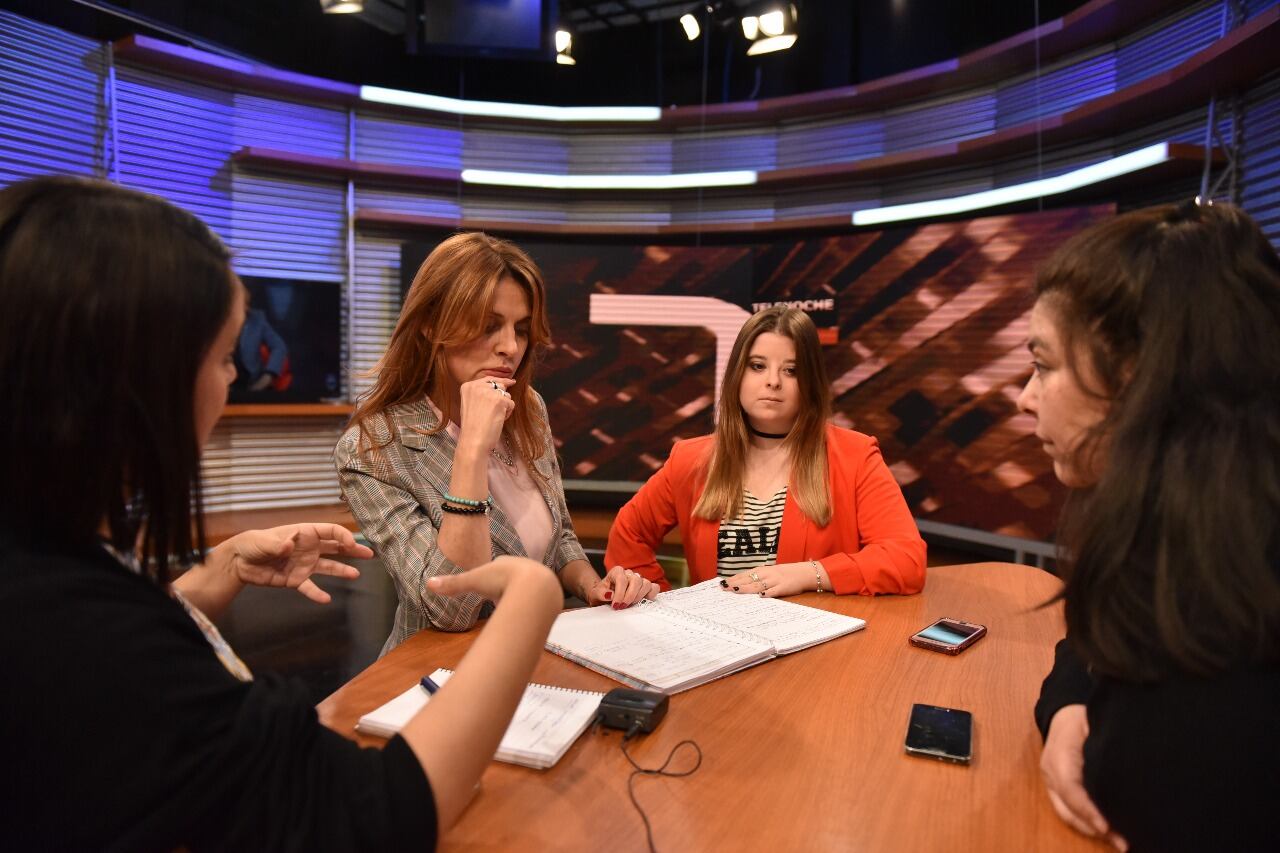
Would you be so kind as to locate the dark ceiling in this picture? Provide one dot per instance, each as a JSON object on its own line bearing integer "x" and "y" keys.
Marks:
{"x": 627, "y": 51}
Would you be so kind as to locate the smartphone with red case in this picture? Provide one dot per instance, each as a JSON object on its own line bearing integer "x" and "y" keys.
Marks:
{"x": 949, "y": 636}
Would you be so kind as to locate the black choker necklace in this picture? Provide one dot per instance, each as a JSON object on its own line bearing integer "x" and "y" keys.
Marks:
{"x": 755, "y": 431}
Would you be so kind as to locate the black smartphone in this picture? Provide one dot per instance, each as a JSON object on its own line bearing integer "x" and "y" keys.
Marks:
{"x": 949, "y": 636}
{"x": 942, "y": 733}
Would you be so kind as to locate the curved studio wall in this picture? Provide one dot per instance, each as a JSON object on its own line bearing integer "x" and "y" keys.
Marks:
{"x": 306, "y": 181}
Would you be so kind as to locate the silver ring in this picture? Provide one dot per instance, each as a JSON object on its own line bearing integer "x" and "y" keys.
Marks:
{"x": 495, "y": 385}
{"x": 755, "y": 577}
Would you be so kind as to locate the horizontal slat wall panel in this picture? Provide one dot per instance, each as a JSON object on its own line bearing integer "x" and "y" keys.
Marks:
{"x": 732, "y": 209}
{"x": 1168, "y": 42}
{"x": 793, "y": 204}
{"x": 1054, "y": 161}
{"x": 939, "y": 183}
{"x": 289, "y": 126}
{"x": 835, "y": 141}
{"x": 416, "y": 202}
{"x": 696, "y": 151}
{"x": 516, "y": 152}
{"x": 1260, "y": 157}
{"x": 175, "y": 140}
{"x": 636, "y": 154}
{"x": 376, "y": 293}
{"x": 1255, "y": 7}
{"x": 940, "y": 121}
{"x": 283, "y": 225}
{"x": 255, "y": 463}
{"x": 384, "y": 139}
{"x": 1184, "y": 127}
{"x": 287, "y": 227}
{"x": 54, "y": 109}
{"x": 503, "y": 208}
{"x": 653, "y": 212}
{"x": 1057, "y": 90}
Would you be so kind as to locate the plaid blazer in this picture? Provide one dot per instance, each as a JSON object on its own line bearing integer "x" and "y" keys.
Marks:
{"x": 395, "y": 493}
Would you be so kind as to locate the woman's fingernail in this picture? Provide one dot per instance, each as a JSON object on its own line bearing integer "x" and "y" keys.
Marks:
{"x": 762, "y": 595}
{"x": 724, "y": 584}
{"x": 735, "y": 589}
{"x": 607, "y": 595}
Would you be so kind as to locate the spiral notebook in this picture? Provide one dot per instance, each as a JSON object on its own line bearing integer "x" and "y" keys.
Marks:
{"x": 546, "y": 723}
{"x": 690, "y": 636}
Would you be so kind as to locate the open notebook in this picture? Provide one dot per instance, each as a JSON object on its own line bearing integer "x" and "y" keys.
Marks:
{"x": 687, "y": 637}
{"x": 546, "y": 723}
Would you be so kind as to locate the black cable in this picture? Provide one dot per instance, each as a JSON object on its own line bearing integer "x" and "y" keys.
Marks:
{"x": 657, "y": 771}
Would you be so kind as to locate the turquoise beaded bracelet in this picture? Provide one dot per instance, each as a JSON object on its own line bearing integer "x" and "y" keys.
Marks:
{"x": 486, "y": 503}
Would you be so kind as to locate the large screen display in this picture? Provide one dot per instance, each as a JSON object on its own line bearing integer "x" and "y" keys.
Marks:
{"x": 926, "y": 325}
{"x": 288, "y": 351}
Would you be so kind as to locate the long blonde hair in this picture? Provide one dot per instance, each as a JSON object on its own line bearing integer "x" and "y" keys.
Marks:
{"x": 806, "y": 443}
{"x": 447, "y": 306}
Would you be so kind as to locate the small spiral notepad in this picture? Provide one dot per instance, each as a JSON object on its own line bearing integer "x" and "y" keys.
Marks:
{"x": 690, "y": 636}
{"x": 546, "y": 723}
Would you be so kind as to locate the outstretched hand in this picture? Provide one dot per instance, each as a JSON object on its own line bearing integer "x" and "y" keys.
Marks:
{"x": 290, "y": 555}
{"x": 490, "y": 580}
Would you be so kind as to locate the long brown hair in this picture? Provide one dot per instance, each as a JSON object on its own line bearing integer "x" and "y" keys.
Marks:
{"x": 806, "y": 443}
{"x": 447, "y": 306}
{"x": 1172, "y": 559}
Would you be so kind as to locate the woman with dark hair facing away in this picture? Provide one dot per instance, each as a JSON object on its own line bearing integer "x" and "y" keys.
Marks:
{"x": 1156, "y": 392}
{"x": 449, "y": 460}
{"x": 777, "y": 501}
{"x": 129, "y": 722}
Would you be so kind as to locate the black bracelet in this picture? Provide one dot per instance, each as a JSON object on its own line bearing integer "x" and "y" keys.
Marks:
{"x": 465, "y": 510}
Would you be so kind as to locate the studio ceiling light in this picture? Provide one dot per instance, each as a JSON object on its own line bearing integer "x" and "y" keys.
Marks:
{"x": 772, "y": 30}
{"x": 690, "y": 24}
{"x": 342, "y": 7}
{"x": 564, "y": 48}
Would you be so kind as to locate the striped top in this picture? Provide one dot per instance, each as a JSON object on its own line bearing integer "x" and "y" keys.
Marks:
{"x": 751, "y": 539}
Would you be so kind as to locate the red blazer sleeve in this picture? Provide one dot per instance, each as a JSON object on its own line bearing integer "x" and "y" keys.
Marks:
{"x": 640, "y": 525}
{"x": 892, "y": 554}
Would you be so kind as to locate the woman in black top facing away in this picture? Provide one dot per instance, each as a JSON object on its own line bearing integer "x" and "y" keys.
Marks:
{"x": 129, "y": 724}
{"x": 1156, "y": 391}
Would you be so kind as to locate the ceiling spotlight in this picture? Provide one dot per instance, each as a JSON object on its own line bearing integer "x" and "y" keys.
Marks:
{"x": 564, "y": 48}
{"x": 341, "y": 7}
{"x": 690, "y": 24}
{"x": 771, "y": 31}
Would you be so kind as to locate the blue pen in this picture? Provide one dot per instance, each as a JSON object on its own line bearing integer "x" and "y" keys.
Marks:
{"x": 429, "y": 685}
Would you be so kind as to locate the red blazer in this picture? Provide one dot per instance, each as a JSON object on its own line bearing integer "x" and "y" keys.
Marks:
{"x": 871, "y": 545}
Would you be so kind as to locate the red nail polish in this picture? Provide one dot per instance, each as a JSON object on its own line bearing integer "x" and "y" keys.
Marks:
{"x": 735, "y": 589}
{"x": 607, "y": 595}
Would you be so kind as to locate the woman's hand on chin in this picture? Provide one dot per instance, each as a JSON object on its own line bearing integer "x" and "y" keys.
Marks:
{"x": 485, "y": 407}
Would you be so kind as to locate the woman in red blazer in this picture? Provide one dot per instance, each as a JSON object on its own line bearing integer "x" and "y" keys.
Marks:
{"x": 777, "y": 501}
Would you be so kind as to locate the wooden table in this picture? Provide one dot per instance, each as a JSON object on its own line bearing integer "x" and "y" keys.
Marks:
{"x": 800, "y": 753}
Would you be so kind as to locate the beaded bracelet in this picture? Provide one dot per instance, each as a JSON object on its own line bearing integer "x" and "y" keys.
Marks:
{"x": 817, "y": 573}
{"x": 483, "y": 509}
{"x": 466, "y": 501}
